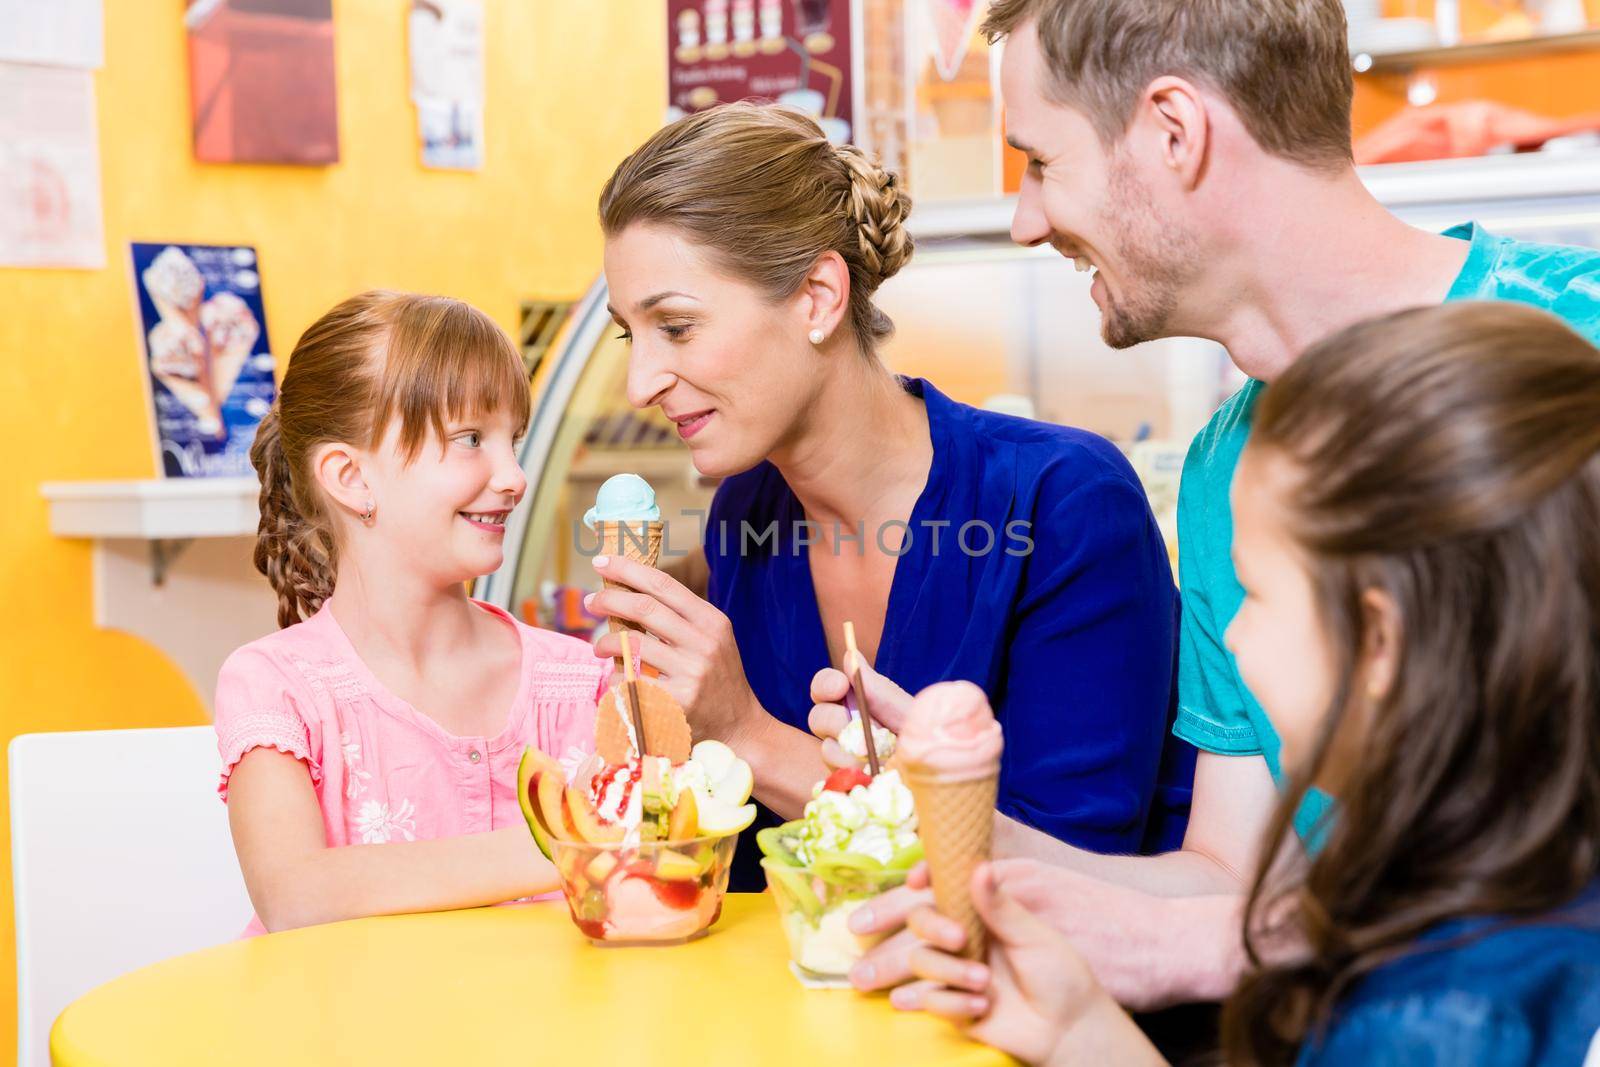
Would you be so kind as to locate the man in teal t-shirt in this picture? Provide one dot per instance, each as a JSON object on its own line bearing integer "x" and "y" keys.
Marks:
{"x": 1201, "y": 167}
{"x": 1216, "y": 713}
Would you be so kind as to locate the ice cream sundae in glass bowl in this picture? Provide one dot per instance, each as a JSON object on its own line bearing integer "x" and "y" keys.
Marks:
{"x": 643, "y": 843}
{"x": 857, "y": 838}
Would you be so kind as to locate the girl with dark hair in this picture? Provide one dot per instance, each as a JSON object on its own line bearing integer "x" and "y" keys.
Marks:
{"x": 1418, "y": 534}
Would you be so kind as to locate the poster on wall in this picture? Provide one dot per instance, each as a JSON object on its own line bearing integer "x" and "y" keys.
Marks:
{"x": 206, "y": 356}
{"x": 49, "y": 169}
{"x": 955, "y": 27}
{"x": 447, "y": 82}
{"x": 261, "y": 81}
{"x": 795, "y": 52}
{"x": 955, "y": 136}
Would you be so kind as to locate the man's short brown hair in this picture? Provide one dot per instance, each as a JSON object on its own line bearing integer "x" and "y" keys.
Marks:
{"x": 1283, "y": 65}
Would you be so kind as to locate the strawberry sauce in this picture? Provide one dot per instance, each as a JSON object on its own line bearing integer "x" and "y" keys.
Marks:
{"x": 629, "y": 775}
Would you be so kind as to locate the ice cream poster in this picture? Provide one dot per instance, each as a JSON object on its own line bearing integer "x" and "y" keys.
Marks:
{"x": 795, "y": 52}
{"x": 447, "y": 81}
{"x": 207, "y": 359}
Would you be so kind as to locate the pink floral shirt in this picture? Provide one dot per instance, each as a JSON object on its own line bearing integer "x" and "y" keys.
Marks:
{"x": 384, "y": 771}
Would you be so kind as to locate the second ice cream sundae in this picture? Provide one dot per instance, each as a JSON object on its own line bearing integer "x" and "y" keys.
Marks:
{"x": 857, "y": 838}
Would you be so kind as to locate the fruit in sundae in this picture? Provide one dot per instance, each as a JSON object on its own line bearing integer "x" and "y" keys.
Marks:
{"x": 857, "y": 838}
{"x": 643, "y": 843}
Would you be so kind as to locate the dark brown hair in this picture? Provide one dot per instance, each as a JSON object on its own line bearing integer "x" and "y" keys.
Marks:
{"x": 1446, "y": 457}
{"x": 1283, "y": 65}
{"x": 763, "y": 190}
{"x": 376, "y": 357}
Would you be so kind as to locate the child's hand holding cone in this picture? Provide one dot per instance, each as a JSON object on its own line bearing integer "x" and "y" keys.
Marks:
{"x": 950, "y": 757}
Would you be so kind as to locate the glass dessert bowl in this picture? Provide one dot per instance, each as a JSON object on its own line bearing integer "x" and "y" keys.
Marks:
{"x": 643, "y": 847}
{"x": 815, "y": 904}
{"x": 856, "y": 840}
{"x": 645, "y": 893}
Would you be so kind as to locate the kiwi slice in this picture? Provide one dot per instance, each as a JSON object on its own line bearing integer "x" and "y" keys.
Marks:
{"x": 849, "y": 871}
{"x": 794, "y": 884}
{"x": 774, "y": 841}
{"x": 907, "y": 857}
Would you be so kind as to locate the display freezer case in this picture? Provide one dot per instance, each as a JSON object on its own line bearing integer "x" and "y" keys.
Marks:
{"x": 990, "y": 324}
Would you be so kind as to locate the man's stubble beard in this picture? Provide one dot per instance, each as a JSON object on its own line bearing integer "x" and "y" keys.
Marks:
{"x": 1154, "y": 254}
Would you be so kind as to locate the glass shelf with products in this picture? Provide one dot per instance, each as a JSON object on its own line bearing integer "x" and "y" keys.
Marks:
{"x": 1404, "y": 62}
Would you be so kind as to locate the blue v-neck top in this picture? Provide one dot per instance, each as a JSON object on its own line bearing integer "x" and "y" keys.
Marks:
{"x": 1031, "y": 566}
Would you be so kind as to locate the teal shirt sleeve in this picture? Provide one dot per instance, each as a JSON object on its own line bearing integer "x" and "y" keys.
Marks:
{"x": 1215, "y": 711}
{"x": 1561, "y": 279}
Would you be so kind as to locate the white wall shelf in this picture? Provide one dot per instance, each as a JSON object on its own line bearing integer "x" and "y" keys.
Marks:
{"x": 154, "y": 510}
{"x": 196, "y": 609}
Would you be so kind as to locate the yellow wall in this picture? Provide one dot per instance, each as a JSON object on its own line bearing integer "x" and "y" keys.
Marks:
{"x": 572, "y": 86}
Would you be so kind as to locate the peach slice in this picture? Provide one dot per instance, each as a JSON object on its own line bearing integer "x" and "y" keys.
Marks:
{"x": 550, "y": 789}
{"x": 600, "y": 867}
{"x": 587, "y": 822}
{"x": 684, "y": 822}
{"x": 534, "y": 762}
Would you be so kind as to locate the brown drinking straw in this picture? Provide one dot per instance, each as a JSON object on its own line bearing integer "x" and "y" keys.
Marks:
{"x": 861, "y": 696}
{"x": 633, "y": 692}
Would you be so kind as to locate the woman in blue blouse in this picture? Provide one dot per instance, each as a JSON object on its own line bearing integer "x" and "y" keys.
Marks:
{"x": 742, "y": 252}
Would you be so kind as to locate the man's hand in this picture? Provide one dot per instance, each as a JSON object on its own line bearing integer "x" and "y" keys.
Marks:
{"x": 887, "y": 702}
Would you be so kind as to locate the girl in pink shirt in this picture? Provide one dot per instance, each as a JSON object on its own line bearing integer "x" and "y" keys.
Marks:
{"x": 370, "y": 747}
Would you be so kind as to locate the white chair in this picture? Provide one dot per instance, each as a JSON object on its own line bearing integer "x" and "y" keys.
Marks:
{"x": 120, "y": 856}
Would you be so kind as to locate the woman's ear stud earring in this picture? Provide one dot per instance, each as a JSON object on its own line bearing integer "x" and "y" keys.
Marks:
{"x": 817, "y": 337}
{"x": 372, "y": 509}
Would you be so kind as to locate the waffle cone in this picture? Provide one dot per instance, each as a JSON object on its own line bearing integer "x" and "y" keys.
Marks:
{"x": 666, "y": 727}
{"x": 955, "y": 820}
{"x": 638, "y": 541}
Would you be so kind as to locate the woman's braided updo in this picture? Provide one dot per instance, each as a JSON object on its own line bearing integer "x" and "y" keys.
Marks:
{"x": 377, "y": 357}
{"x": 767, "y": 194}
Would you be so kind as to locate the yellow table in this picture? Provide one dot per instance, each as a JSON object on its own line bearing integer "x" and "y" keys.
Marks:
{"x": 509, "y": 985}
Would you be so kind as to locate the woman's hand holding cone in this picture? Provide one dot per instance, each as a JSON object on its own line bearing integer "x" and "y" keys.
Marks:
{"x": 687, "y": 640}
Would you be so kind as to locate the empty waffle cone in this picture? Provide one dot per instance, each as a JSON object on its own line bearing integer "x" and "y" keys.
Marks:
{"x": 666, "y": 726}
{"x": 638, "y": 541}
{"x": 955, "y": 820}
